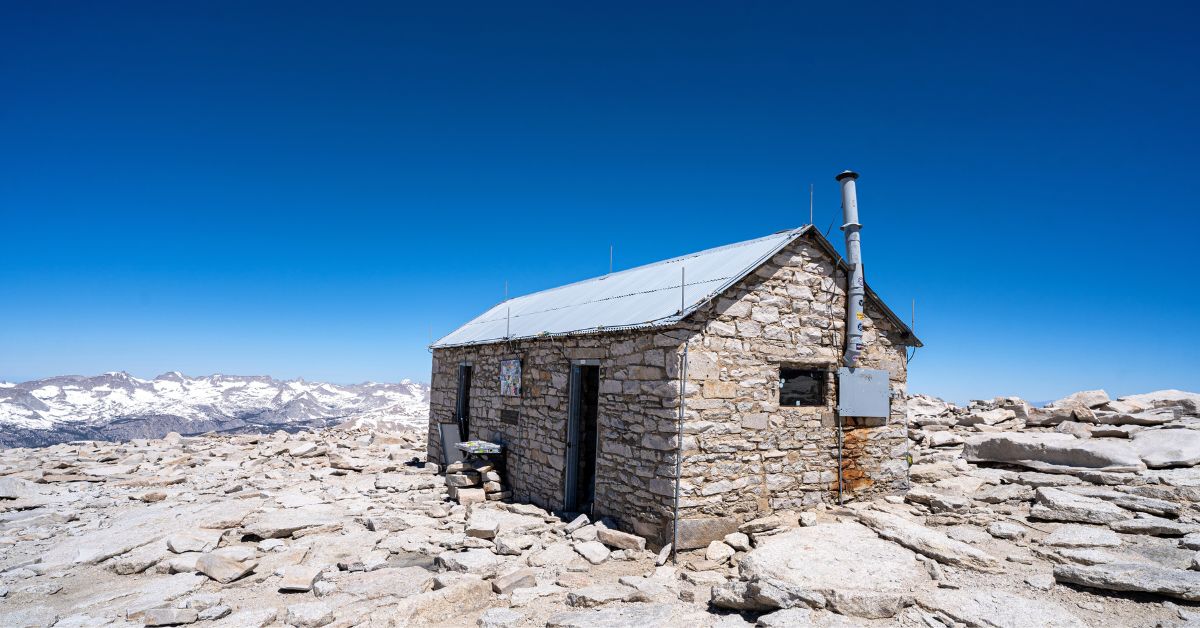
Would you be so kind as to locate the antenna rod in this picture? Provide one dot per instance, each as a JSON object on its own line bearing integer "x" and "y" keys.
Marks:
{"x": 682, "y": 283}
{"x": 610, "y": 251}
{"x": 810, "y": 203}
{"x": 505, "y": 289}
{"x": 912, "y": 329}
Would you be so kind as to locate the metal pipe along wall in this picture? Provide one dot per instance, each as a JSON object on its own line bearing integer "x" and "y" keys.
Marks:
{"x": 855, "y": 290}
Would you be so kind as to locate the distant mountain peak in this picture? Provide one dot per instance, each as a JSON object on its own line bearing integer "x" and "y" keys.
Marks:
{"x": 117, "y": 406}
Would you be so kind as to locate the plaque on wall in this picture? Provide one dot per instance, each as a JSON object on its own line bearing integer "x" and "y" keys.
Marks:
{"x": 510, "y": 378}
{"x": 509, "y": 417}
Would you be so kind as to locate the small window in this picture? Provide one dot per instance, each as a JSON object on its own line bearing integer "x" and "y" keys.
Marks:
{"x": 801, "y": 387}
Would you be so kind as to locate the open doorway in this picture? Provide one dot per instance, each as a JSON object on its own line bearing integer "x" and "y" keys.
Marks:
{"x": 462, "y": 404}
{"x": 581, "y": 437}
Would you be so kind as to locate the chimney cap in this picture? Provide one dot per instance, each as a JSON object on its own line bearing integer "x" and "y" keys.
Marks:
{"x": 847, "y": 174}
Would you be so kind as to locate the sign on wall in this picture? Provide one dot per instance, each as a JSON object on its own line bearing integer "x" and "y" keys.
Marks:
{"x": 510, "y": 378}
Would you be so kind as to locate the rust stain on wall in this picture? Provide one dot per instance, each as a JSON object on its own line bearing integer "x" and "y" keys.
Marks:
{"x": 853, "y": 475}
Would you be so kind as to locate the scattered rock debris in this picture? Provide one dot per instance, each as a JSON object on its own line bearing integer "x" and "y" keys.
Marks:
{"x": 1080, "y": 513}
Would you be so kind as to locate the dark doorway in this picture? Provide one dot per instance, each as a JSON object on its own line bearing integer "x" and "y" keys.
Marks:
{"x": 462, "y": 406}
{"x": 581, "y": 438}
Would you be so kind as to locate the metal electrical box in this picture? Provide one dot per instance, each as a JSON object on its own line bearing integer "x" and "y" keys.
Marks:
{"x": 863, "y": 393}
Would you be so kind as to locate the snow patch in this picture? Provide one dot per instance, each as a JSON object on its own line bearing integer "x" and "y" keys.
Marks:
{"x": 96, "y": 401}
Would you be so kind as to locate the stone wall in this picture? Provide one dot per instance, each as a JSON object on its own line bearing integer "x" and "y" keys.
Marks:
{"x": 745, "y": 455}
{"x": 636, "y": 423}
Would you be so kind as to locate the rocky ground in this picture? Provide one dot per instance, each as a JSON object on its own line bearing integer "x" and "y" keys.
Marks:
{"x": 1081, "y": 514}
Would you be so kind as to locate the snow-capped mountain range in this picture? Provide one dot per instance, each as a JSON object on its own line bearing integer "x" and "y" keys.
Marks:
{"x": 118, "y": 406}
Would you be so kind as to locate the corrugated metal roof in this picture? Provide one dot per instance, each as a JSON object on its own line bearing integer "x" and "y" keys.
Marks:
{"x": 642, "y": 296}
{"x": 645, "y": 296}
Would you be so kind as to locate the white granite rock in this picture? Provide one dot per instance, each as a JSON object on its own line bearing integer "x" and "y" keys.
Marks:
{"x": 1058, "y": 505}
{"x": 593, "y": 551}
{"x": 719, "y": 552}
{"x": 1163, "y": 448}
{"x": 1059, "y": 453}
{"x": 310, "y": 615}
{"x": 1081, "y": 536}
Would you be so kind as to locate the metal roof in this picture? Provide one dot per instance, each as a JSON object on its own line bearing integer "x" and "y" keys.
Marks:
{"x": 646, "y": 296}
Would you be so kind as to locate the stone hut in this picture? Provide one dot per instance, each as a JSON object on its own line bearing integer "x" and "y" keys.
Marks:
{"x": 718, "y": 368}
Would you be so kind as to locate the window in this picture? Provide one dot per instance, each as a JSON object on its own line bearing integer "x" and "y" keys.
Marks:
{"x": 801, "y": 386}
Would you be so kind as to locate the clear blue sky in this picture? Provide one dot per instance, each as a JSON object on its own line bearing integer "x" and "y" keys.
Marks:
{"x": 307, "y": 189}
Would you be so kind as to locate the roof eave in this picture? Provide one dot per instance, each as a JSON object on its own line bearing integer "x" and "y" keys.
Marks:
{"x": 907, "y": 337}
{"x": 663, "y": 322}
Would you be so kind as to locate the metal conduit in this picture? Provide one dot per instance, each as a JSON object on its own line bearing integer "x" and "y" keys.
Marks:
{"x": 683, "y": 365}
{"x": 683, "y": 360}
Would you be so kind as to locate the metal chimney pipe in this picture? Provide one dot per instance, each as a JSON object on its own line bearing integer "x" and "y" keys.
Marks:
{"x": 855, "y": 290}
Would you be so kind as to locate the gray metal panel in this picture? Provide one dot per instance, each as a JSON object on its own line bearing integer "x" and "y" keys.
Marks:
{"x": 863, "y": 393}
{"x": 639, "y": 297}
{"x": 449, "y": 437}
